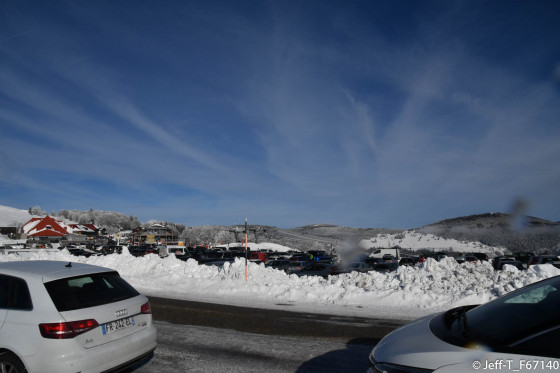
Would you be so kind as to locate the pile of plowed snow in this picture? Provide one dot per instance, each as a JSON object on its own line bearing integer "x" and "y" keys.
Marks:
{"x": 404, "y": 294}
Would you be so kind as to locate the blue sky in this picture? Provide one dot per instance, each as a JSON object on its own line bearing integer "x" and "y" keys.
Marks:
{"x": 359, "y": 113}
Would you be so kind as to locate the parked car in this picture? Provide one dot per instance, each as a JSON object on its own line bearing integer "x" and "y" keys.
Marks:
{"x": 389, "y": 258}
{"x": 351, "y": 267}
{"x": 469, "y": 258}
{"x": 459, "y": 259}
{"x": 299, "y": 257}
{"x": 546, "y": 259}
{"x": 437, "y": 256}
{"x": 378, "y": 253}
{"x": 512, "y": 262}
{"x": 184, "y": 257}
{"x": 410, "y": 261}
{"x": 318, "y": 255}
{"x": 381, "y": 265}
{"x": 280, "y": 264}
{"x": 297, "y": 265}
{"x": 385, "y": 266}
{"x": 63, "y": 317}
{"x": 142, "y": 250}
{"x": 497, "y": 259}
{"x": 259, "y": 257}
{"x": 372, "y": 261}
{"x": 314, "y": 269}
{"x": 519, "y": 328}
{"x": 110, "y": 249}
{"x": 524, "y": 257}
{"x": 481, "y": 256}
{"x": 273, "y": 255}
{"x": 82, "y": 252}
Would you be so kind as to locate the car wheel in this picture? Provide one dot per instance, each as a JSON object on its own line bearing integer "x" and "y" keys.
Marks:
{"x": 9, "y": 363}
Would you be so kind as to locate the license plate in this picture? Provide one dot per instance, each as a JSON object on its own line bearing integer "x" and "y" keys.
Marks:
{"x": 113, "y": 326}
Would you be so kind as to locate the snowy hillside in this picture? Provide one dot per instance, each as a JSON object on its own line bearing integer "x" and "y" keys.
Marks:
{"x": 421, "y": 241}
{"x": 10, "y": 216}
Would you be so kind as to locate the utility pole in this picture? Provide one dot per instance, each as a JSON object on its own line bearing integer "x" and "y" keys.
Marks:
{"x": 246, "y": 233}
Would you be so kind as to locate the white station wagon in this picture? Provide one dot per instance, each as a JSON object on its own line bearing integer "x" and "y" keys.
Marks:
{"x": 69, "y": 317}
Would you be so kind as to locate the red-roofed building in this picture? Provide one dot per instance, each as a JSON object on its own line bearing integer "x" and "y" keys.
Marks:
{"x": 89, "y": 230}
{"x": 44, "y": 227}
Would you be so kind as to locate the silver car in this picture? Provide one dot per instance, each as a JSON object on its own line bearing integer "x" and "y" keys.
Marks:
{"x": 517, "y": 332}
{"x": 70, "y": 317}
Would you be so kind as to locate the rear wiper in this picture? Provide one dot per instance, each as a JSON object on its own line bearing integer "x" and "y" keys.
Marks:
{"x": 462, "y": 322}
{"x": 457, "y": 314}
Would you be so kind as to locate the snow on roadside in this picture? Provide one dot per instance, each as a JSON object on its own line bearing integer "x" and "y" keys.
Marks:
{"x": 405, "y": 294}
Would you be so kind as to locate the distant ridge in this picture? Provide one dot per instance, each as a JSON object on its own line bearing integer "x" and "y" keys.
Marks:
{"x": 496, "y": 219}
{"x": 517, "y": 233}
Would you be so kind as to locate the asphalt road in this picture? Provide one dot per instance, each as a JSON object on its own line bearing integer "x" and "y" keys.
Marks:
{"x": 272, "y": 322}
{"x": 204, "y": 337}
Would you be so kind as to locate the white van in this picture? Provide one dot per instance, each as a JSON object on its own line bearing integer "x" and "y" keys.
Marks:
{"x": 172, "y": 249}
{"x": 378, "y": 253}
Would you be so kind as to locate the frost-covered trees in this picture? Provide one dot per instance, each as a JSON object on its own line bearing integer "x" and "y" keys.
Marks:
{"x": 110, "y": 220}
{"x": 36, "y": 210}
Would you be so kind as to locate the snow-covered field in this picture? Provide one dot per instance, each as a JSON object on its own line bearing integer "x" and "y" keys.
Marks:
{"x": 405, "y": 294}
{"x": 421, "y": 241}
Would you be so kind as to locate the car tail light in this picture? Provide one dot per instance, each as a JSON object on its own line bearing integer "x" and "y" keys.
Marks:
{"x": 64, "y": 330}
{"x": 146, "y": 308}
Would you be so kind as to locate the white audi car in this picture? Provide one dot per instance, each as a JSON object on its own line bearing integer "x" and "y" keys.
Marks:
{"x": 519, "y": 332}
{"x": 69, "y": 317}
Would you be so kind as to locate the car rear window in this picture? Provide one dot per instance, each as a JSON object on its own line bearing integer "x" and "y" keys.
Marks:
{"x": 89, "y": 291}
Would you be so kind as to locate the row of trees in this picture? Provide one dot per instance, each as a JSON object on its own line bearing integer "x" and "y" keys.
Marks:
{"x": 110, "y": 220}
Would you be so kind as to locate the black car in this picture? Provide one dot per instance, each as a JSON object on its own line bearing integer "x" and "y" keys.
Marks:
{"x": 315, "y": 269}
{"x": 384, "y": 267}
{"x": 481, "y": 256}
{"x": 142, "y": 250}
{"x": 469, "y": 258}
{"x": 410, "y": 261}
{"x": 546, "y": 259}
{"x": 351, "y": 267}
{"x": 281, "y": 264}
{"x": 512, "y": 262}
{"x": 81, "y": 252}
{"x": 524, "y": 257}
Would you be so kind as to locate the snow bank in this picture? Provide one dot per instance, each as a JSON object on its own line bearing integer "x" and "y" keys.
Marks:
{"x": 405, "y": 294}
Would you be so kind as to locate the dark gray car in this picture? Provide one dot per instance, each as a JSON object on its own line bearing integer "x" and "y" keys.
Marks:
{"x": 281, "y": 264}
{"x": 315, "y": 269}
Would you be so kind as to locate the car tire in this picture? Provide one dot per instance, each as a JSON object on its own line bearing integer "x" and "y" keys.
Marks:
{"x": 10, "y": 363}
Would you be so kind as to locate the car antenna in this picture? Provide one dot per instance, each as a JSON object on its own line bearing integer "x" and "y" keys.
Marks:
{"x": 69, "y": 265}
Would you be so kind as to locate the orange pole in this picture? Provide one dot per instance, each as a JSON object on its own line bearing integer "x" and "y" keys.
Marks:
{"x": 245, "y": 257}
{"x": 246, "y": 249}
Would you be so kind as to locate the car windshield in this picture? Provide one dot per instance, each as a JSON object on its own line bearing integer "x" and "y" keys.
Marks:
{"x": 516, "y": 315}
